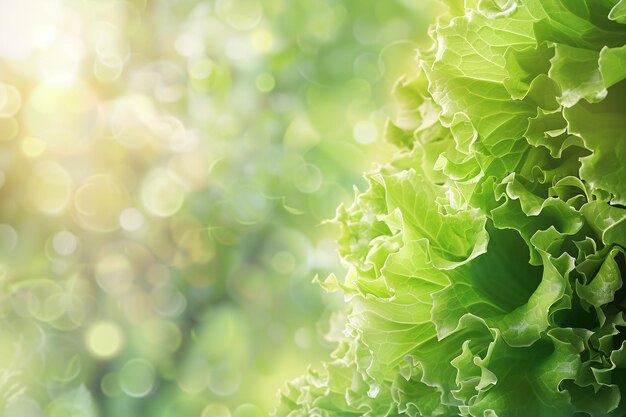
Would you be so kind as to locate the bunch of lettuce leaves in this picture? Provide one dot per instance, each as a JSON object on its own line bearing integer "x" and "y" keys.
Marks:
{"x": 485, "y": 261}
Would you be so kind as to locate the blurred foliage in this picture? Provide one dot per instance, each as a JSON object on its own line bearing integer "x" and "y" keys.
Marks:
{"x": 165, "y": 166}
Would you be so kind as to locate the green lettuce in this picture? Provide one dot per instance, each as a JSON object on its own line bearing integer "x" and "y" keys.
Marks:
{"x": 485, "y": 260}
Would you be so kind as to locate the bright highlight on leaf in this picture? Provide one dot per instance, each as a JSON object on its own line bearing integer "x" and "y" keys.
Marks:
{"x": 485, "y": 260}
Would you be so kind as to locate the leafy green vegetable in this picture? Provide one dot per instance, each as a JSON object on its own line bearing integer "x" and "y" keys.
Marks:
{"x": 485, "y": 260}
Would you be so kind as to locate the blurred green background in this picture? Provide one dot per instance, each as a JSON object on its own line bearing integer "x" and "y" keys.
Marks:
{"x": 165, "y": 168}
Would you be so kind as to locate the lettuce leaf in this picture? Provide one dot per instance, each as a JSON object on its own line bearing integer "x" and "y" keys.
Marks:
{"x": 486, "y": 259}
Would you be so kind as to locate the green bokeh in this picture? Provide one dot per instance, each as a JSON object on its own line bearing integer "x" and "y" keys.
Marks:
{"x": 165, "y": 168}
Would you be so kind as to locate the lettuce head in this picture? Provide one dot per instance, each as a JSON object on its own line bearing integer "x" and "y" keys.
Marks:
{"x": 485, "y": 261}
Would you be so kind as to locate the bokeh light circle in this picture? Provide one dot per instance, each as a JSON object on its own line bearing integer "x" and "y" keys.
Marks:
{"x": 225, "y": 380}
{"x": 8, "y": 238}
{"x": 114, "y": 273}
{"x": 216, "y": 410}
{"x": 104, "y": 339}
{"x": 365, "y": 132}
{"x": 240, "y": 14}
{"x": 64, "y": 243}
{"x": 308, "y": 178}
{"x": 23, "y": 406}
{"x": 50, "y": 187}
{"x": 162, "y": 194}
{"x": 98, "y": 203}
{"x": 137, "y": 378}
{"x": 10, "y": 100}
{"x": 131, "y": 219}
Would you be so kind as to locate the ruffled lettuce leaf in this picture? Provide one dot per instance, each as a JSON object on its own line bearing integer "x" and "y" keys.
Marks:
{"x": 486, "y": 259}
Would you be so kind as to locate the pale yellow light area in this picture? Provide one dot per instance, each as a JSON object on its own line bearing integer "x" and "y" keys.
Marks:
{"x": 365, "y": 132}
{"x": 114, "y": 274}
{"x": 106, "y": 73}
{"x": 169, "y": 133}
{"x": 64, "y": 243}
{"x": 21, "y": 24}
{"x": 131, "y": 219}
{"x": 10, "y": 100}
{"x": 262, "y": 40}
{"x": 33, "y": 147}
{"x": 131, "y": 120}
{"x": 78, "y": 98}
{"x": 104, "y": 339}
{"x": 202, "y": 69}
{"x": 9, "y": 128}
{"x": 190, "y": 168}
{"x": 49, "y": 187}
{"x": 189, "y": 44}
{"x": 98, "y": 203}
{"x": 162, "y": 194}
{"x": 64, "y": 117}
{"x": 62, "y": 99}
